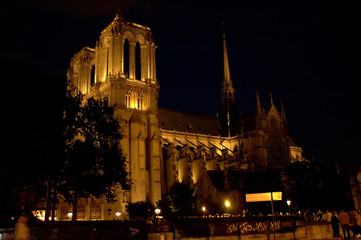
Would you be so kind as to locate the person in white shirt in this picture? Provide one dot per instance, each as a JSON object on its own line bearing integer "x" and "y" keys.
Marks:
{"x": 22, "y": 231}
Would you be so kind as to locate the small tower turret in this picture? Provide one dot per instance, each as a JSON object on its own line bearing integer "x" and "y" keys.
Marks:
{"x": 283, "y": 116}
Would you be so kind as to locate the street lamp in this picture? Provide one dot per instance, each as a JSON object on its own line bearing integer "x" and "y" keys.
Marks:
{"x": 70, "y": 215}
{"x": 157, "y": 211}
{"x": 227, "y": 203}
{"x": 289, "y": 208}
{"x": 204, "y": 210}
{"x": 118, "y": 214}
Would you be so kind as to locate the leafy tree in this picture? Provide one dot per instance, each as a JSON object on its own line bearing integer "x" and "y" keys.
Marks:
{"x": 180, "y": 200}
{"x": 140, "y": 210}
{"x": 94, "y": 165}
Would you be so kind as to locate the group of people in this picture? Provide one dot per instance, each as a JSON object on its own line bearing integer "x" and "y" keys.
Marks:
{"x": 350, "y": 220}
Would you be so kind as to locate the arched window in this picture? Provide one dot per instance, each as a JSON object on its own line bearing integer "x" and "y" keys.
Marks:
{"x": 107, "y": 61}
{"x": 137, "y": 62}
{"x": 92, "y": 76}
{"x": 126, "y": 57}
{"x": 140, "y": 101}
{"x": 127, "y": 99}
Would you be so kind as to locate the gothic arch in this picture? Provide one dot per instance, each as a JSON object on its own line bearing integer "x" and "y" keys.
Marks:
{"x": 128, "y": 35}
{"x": 139, "y": 38}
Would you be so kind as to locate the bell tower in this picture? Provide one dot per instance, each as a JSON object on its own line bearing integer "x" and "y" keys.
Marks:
{"x": 122, "y": 68}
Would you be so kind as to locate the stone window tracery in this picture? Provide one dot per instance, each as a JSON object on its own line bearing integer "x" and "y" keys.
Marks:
{"x": 140, "y": 101}
{"x": 276, "y": 151}
{"x": 127, "y": 98}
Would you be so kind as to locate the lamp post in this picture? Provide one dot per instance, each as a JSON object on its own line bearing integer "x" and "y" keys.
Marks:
{"x": 289, "y": 208}
{"x": 157, "y": 211}
{"x": 118, "y": 214}
{"x": 204, "y": 211}
{"x": 227, "y": 203}
{"x": 70, "y": 216}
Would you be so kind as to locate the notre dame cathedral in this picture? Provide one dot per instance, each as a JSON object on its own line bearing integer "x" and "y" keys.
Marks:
{"x": 163, "y": 146}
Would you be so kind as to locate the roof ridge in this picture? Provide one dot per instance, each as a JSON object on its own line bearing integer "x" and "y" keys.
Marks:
{"x": 189, "y": 113}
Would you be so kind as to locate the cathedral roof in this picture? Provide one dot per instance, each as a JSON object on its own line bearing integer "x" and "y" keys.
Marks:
{"x": 244, "y": 123}
{"x": 189, "y": 122}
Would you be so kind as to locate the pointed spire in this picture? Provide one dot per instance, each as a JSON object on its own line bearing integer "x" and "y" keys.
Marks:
{"x": 271, "y": 99}
{"x": 228, "y": 89}
{"x": 228, "y": 98}
{"x": 259, "y": 108}
{"x": 118, "y": 15}
{"x": 227, "y": 74}
{"x": 283, "y": 115}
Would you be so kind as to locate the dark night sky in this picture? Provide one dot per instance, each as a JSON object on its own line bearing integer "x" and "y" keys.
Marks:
{"x": 306, "y": 54}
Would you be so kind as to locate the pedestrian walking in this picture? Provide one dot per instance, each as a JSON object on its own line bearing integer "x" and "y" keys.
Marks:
{"x": 22, "y": 231}
{"x": 344, "y": 219}
{"x": 335, "y": 225}
{"x": 353, "y": 225}
{"x": 357, "y": 228}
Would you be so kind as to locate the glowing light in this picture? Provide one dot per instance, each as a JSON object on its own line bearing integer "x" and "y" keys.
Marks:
{"x": 157, "y": 211}
{"x": 203, "y": 209}
{"x": 227, "y": 203}
{"x": 263, "y": 197}
{"x": 39, "y": 214}
{"x": 70, "y": 215}
{"x": 118, "y": 214}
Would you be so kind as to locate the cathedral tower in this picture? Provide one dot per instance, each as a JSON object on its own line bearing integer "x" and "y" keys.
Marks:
{"x": 121, "y": 67}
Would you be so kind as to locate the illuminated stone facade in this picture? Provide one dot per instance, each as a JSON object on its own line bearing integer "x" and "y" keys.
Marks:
{"x": 163, "y": 146}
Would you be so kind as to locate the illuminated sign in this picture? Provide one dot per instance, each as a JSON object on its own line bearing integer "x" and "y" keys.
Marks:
{"x": 263, "y": 197}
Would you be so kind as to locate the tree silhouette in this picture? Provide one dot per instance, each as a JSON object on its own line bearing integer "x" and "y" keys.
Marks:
{"x": 94, "y": 165}
{"x": 180, "y": 200}
{"x": 314, "y": 185}
{"x": 140, "y": 210}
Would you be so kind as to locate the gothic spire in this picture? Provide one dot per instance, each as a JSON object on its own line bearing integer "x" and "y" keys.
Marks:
{"x": 228, "y": 99}
{"x": 118, "y": 15}
{"x": 227, "y": 85}
{"x": 283, "y": 115}
{"x": 271, "y": 99}
{"x": 259, "y": 109}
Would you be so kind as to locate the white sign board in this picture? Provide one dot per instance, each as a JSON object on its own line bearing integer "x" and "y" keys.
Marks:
{"x": 263, "y": 197}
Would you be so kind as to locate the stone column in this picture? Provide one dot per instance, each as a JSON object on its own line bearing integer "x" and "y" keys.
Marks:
{"x": 185, "y": 169}
{"x": 87, "y": 212}
{"x": 171, "y": 167}
{"x": 132, "y": 60}
{"x": 102, "y": 211}
{"x": 154, "y": 156}
{"x": 144, "y": 62}
{"x": 152, "y": 62}
{"x": 137, "y": 158}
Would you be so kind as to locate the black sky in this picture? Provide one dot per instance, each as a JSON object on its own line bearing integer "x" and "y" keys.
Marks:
{"x": 306, "y": 54}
